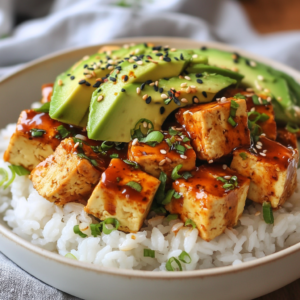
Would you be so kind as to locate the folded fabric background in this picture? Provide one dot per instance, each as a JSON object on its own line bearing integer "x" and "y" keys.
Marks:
{"x": 72, "y": 23}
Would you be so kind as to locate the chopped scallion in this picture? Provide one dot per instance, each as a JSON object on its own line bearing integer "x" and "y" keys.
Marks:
{"x": 243, "y": 155}
{"x": 149, "y": 253}
{"x": 63, "y": 132}
{"x": 231, "y": 121}
{"x": 105, "y": 146}
{"x": 160, "y": 194}
{"x": 185, "y": 257}
{"x": 187, "y": 175}
{"x": 78, "y": 231}
{"x": 168, "y": 197}
{"x": 131, "y": 163}
{"x": 173, "y": 264}
{"x": 175, "y": 174}
{"x": 113, "y": 221}
{"x": 293, "y": 128}
{"x": 190, "y": 222}
{"x": 134, "y": 185}
{"x": 114, "y": 155}
{"x": 70, "y": 255}
{"x": 172, "y": 217}
{"x": 37, "y": 132}
{"x": 268, "y": 213}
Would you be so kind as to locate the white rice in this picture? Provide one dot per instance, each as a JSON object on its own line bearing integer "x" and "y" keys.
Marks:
{"x": 50, "y": 227}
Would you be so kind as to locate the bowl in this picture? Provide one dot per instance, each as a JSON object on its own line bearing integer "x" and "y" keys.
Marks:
{"x": 245, "y": 281}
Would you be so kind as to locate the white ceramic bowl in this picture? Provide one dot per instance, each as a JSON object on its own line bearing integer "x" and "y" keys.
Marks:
{"x": 87, "y": 281}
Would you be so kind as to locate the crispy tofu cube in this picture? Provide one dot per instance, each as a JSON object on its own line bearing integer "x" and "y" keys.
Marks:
{"x": 208, "y": 126}
{"x": 271, "y": 168}
{"x": 269, "y": 126}
{"x": 65, "y": 176}
{"x": 118, "y": 196}
{"x": 162, "y": 157}
{"x": 204, "y": 200}
{"x": 286, "y": 138}
{"x": 26, "y": 150}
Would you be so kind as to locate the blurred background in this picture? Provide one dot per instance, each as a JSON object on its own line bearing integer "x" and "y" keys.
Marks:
{"x": 32, "y": 28}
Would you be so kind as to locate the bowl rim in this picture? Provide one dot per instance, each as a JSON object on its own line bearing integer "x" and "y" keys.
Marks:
{"x": 217, "y": 271}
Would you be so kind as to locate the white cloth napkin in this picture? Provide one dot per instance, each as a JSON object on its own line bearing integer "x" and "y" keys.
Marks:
{"x": 72, "y": 23}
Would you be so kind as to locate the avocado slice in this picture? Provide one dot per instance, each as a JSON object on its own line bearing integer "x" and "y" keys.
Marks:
{"x": 263, "y": 79}
{"x": 112, "y": 118}
{"x": 202, "y": 68}
{"x": 73, "y": 89}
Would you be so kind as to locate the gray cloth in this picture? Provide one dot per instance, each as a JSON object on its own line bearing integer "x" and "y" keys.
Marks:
{"x": 16, "y": 284}
{"x": 85, "y": 22}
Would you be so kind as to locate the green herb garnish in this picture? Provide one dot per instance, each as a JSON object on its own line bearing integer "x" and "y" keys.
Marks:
{"x": 175, "y": 174}
{"x": 256, "y": 101}
{"x": 134, "y": 185}
{"x": 105, "y": 146}
{"x": 139, "y": 131}
{"x": 172, "y": 131}
{"x": 186, "y": 139}
{"x": 187, "y": 175}
{"x": 185, "y": 257}
{"x": 239, "y": 96}
{"x": 243, "y": 155}
{"x": 70, "y": 255}
{"x": 131, "y": 163}
{"x": 268, "y": 213}
{"x": 168, "y": 197}
{"x": 153, "y": 138}
{"x": 172, "y": 217}
{"x": 63, "y": 132}
{"x": 79, "y": 232}
{"x": 160, "y": 194}
{"x": 170, "y": 265}
{"x": 230, "y": 184}
{"x": 92, "y": 161}
{"x": 293, "y": 128}
{"x": 176, "y": 195}
{"x": 190, "y": 222}
{"x": 149, "y": 253}
{"x": 113, "y": 221}
{"x": 37, "y": 132}
{"x": 231, "y": 121}
{"x": 114, "y": 155}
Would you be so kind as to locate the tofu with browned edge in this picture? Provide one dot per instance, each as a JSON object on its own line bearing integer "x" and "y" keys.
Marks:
{"x": 27, "y": 150}
{"x": 124, "y": 193}
{"x": 211, "y": 133}
{"x": 272, "y": 169}
{"x": 205, "y": 201}
{"x": 164, "y": 157}
{"x": 66, "y": 176}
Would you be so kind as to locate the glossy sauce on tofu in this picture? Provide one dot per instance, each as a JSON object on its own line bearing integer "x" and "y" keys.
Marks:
{"x": 203, "y": 183}
{"x": 30, "y": 119}
{"x": 286, "y": 138}
{"x": 115, "y": 178}
{"x": 275, "y": 153}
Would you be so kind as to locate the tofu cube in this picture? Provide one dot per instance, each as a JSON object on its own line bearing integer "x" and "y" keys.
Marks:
{"x": 212, "y": 135}
{"x": 204, "y": 200}
{"x": 65, "y": 176}
{"x": 162, "y": 157}
{"x": 286, "y": 138}
{"x": 124, "y": 193}
{"x": 26, "y": 150}
{"x": 271, "y": 168}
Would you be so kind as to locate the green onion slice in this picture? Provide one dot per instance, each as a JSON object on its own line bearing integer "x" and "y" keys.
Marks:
{"x": 92, "y": 161}
{"x": 268, "y": 213}
{"x": 13, "y": 176}
{"x": 37, "y": 132}
{"x": 79, "y": 232}
{"x": 222, "y": 179}
{"x": 172, "y": 131}
{"x": 172, "y": 217}
{"x": 44, "y": 108}
{"x": 257, "y": 102}
{"x": 186, "y": 139}
{"x": 175, "y": 174}
{"x": 19, "y": 170}
{"x": 63, "y": 132}
{"x": 114, "y": 155}
{"x": 139, "y": 130}
{"x": 176, "y": 195}
{"x": 243, "y": 155}
{"x": 135, "y": 185}
{"x": 173, "y": 264}
{"x": 190, "y": 222}
{"x": 149, "y": 253}
{"x": 239, "y": 96}
{"x": 180, "y": 148}
{"x": 153, "y": 137}
{"x": 231, "y": 121}
{"x": 159, "y": 209}
{"x": 160, "y": 194}
{"x": 293, "y": 128}
{"x": 185, "y": 257}
{"x": 113, "y": 221}
{"x": 70, "y": 255}
{"x": 131, "y": 163}
{"x": 169, "y": 196}
{"x": 233, "y": 108}
{"x": 4, "y": 174}
{"x": 96, "y": 229}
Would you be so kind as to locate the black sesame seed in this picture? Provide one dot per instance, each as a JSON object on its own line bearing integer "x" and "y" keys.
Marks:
{"x": 237, "y": 55}
{"x": 162, "y": 110}
{"x": 85, "y": 66}
{"x": 157, "y": 48}
{"x": 199, "y": 75}
{"x": 102, "y": 68}
{"x": 247, "y": 62}
{"x": 203, "y": 48}
{"x": 99, "y": 91}
{"x": 166, "y": 54}
{"x": 143, "y": 85}
{"x": 170, "y": 94}
{"x": 82, "y": 81}
{"x": 108, "y": 57}
{"x": 118, "y": 68}
{"x": 199, "y": 81}
{"x": 126, "y": 58}
{"x": 167, "y": 59}
{"x": 87, "y": 83}
{"x": 97, "y": 84}
{"x": 123, "y": 90}
{"x": 155, "y": 88}
{"x": 159, "y": 54}
{"x": 136, "y": 59}
{"x": 148, "y": 81}
{"x": 134, "y": 66}
{"x": 72, "y": 77}
{"x": 166, "y": 78}
{"x": 236, "y": 60}
{"x": 181, "y": 56}
{"x": 68, "y": 74}
{"x": 185, "y": 72}
{"x": 176, "y": 58}
{"x": 166, "y": 48}
{"x": 148, "y": 100}
{"x": 161, "y": 90}
{"x": 112, "y": 79}
{"x": 177, "y": 101}
{"x": 204, "y": 94}
{"x": 145, "y": 44}
{"x": 101, "y": 61}
{"x": 146, "y": 60}
{"x": 125, "y": 78}
{"x": 91, "y": 69}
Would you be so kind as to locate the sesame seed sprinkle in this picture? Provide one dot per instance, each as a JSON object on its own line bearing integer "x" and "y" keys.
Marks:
{"x": 184, "y": 100}
{"x": 145, "y": 97}
{"x": 227, "y": 177}
{"x": 134, "y": 142}
{"x": 162, "y": 151}
{"x": 168, "y": 160}
{"x": 199, "y": 81}
{"x": 258, "y": 147}
{"x": 252, "y": 109}
{"x": 145, "y": 124}
{"x": 223, "y": 99}
{"x": 162, "y": 162}
{"x": 187, "y": 77}
{"x": 100, "y": 98}
{"x": 183, "y": 156}
{"x": 260, "y": 77}
{"x": 263, "y": 154}
{"x": 210, "y": 161}
{"x": 195, "y": 56}
{"x": 184, "y": 84}
{"x": 164, "y": 96}
{"x": 138, "y": 90}
{"x": 224, "y": 167}
{"x": 162, "y": 110}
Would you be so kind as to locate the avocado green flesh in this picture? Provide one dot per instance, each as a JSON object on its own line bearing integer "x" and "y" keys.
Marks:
{"x": 201, "y": 68}
{"x": 114, "y": 117}
{"x": 70, "y": 101}
{"x": 271, "y": 84}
